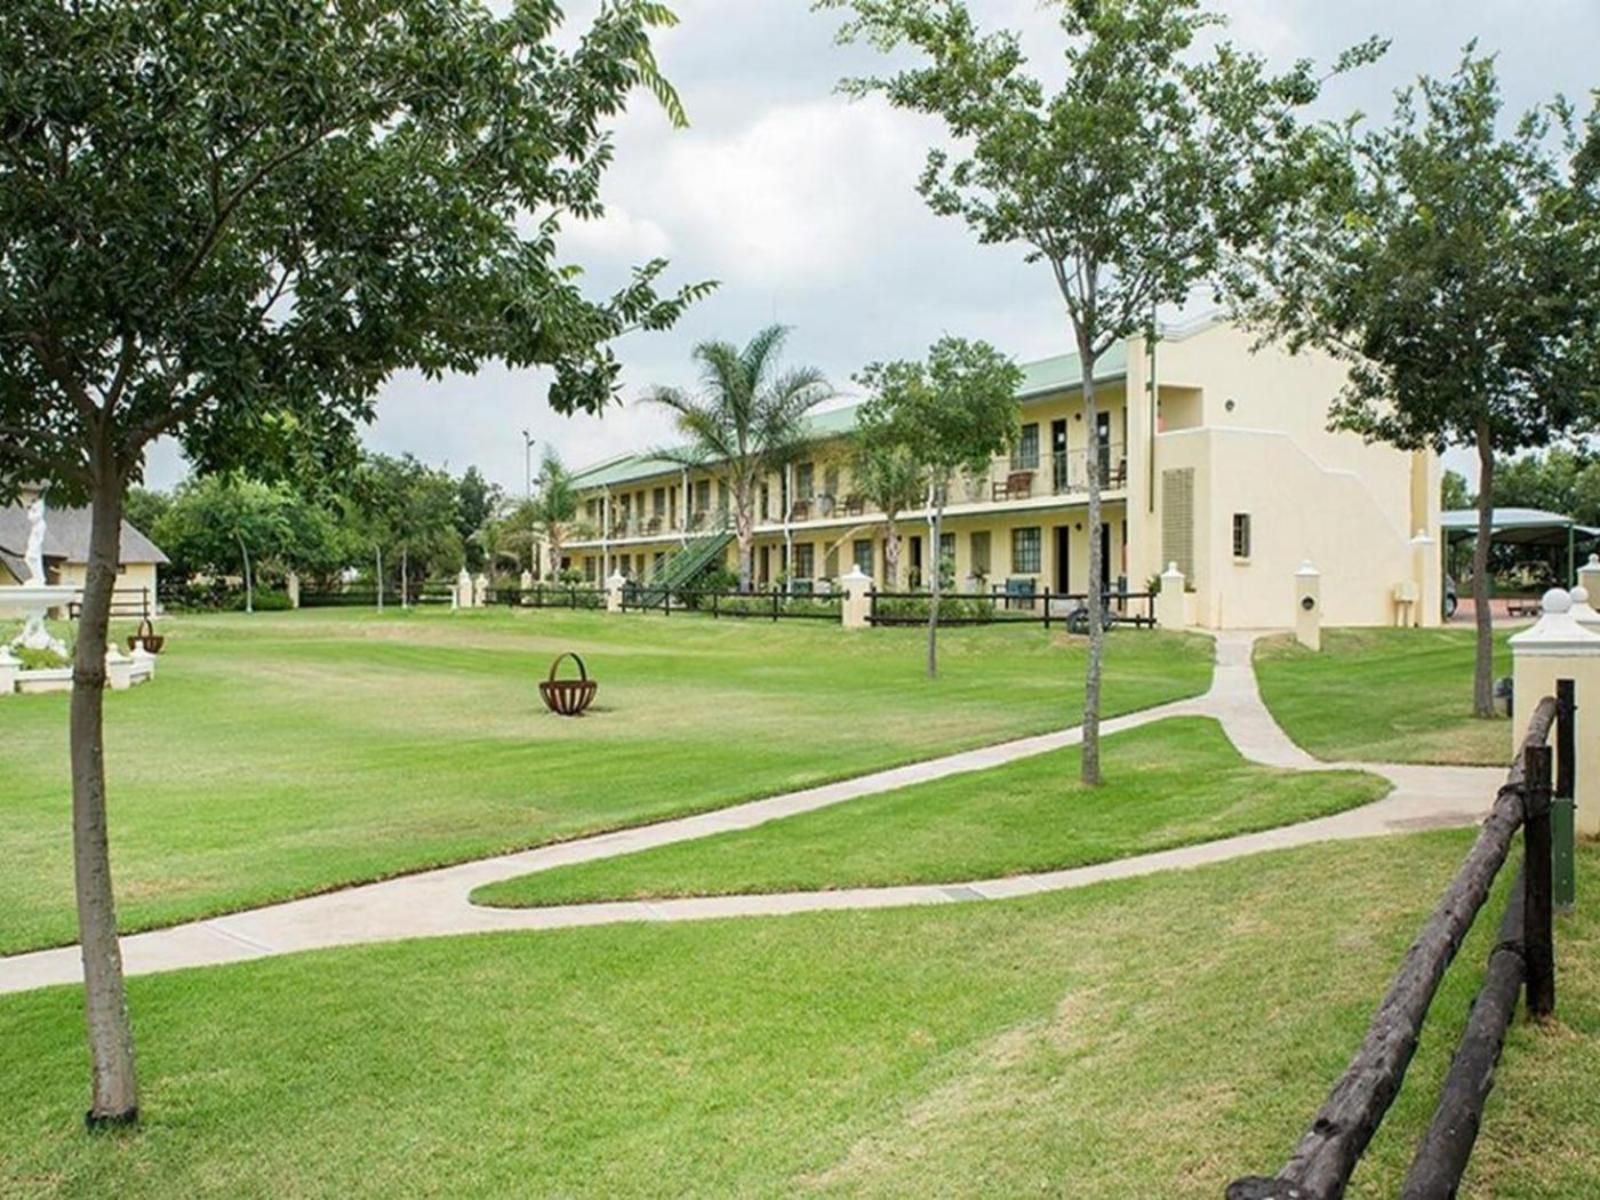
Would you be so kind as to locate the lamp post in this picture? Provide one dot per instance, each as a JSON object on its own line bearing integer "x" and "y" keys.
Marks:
{"x": 527, "y": 472}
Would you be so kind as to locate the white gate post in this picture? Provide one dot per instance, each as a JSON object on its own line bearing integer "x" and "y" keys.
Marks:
{"x": 1308, "y": 606}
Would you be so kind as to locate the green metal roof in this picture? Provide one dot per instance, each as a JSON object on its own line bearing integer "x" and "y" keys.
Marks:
{"x": 1041, "y": 378}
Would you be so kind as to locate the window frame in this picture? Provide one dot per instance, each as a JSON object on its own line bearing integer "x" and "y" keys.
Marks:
{"x": 1022, "y": 555}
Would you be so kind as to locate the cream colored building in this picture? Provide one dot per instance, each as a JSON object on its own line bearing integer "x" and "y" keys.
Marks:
{"x": 1211, "y": 455}
{"x": 66, "y": 557}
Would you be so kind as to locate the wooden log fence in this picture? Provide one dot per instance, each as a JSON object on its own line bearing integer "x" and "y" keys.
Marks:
{"x": 1321, "y": 1164}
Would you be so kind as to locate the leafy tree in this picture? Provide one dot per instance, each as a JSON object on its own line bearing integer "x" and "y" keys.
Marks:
{"x": 477, "y": 501}
{"x": 1453, "y": 492}
{"x": 746, "y": 423}
{"x": 887, "y": 474}
{"x": 145, "y": 508}
{"x": 953, "y": 412}
{"x": 232, "y": 223}
{"x": 222, "y": 523}
{"x": 407, "y": 512}
{"x": 1128, "y": 179}
{"x": 1453, "y": 268}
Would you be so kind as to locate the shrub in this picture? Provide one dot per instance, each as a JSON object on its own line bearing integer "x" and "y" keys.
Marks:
{"x": 39, "y": 660}
{"x": 951, "y": 608}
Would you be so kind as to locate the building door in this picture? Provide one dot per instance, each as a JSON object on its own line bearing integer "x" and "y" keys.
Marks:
{"x": 1106, "y": 581}
{"x": 916, "y": 561}
{"x": 1063, "y": 558}
{"x": 1058, "y": 454}
{"x": 766, "y": 566}
{"x": 1102, "y": 445}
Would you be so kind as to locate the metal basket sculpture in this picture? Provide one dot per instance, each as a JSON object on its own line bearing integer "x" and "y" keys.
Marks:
{"x": 147, "y": 637}
{"x": 568, "y": 697}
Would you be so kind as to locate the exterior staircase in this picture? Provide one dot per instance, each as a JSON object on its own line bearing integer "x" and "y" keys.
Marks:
{"x": 684, "y": 564}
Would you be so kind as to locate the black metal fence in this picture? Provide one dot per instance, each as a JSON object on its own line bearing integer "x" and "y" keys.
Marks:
{"x": 1523, "y": 956}
{"x": 771, "y": 605}
{"x": 367, "y": 597}
{"x": 1008, "y": 606}
{"x": 549, "y": 595}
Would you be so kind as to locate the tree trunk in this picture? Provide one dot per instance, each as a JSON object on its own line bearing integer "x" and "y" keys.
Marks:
{"x": 935, "y": 516}
{"x": 249, "y": 586}
{"x": 1096, "y": 607}
{"x": 405, "y": 578}
{"x": 744, "y": 531}
{"x": 891, "y": 556}
{"x": 114, "y": 1087}
{"x": 1483, "y": 669}
{"x": 378, "y": 550}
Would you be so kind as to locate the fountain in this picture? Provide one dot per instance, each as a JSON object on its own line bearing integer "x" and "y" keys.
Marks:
{"x": 35, "y": 597}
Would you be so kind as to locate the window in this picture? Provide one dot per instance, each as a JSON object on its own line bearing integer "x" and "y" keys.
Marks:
{"x": 805, "y": 475}
{"x": 980, "y": 552}
{"x": 766, "y": 502}
{"x": 722, "y": 496}
{"x": 1241, "y": 535}
{"x": 805, "y": 560}
{"x": 1177, "y": 518}
{"x": 863, "y": 555}
{"x": 1025, "y": 457}
{"x": 655, "y": 565}
{"x": 947, "y": 549}
{"x": 830, "y": 565}
{"x": 588, "y": 568}
{"x": 1025, "y": 544}
{"x": 659, "y": 502}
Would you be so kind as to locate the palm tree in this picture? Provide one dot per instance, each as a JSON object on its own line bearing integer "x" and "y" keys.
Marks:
{"x": 554, "y": 508}
{"x": 747, "y": 421}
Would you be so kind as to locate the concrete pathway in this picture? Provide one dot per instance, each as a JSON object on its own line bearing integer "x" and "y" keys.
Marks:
{"x": 435, "y": 903}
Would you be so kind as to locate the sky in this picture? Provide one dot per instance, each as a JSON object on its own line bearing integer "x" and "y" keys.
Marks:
{"x": 801, "y": 203}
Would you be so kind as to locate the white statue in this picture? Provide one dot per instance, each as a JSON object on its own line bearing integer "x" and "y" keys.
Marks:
{"x": 34, "y": 555}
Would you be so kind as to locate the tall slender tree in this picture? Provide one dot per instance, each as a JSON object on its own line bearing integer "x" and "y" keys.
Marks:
{"x": 1127, "y": 180}
{"x": 222, "y": 221}
{"x": 747, "y": 421}
{"x": 1453, "y": 268}
{"x": 952, "y": 413}
{"x": 554, "y": 509}
{"x": 886, "y": 473}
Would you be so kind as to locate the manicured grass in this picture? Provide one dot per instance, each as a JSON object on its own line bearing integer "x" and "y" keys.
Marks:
{"x": 1151, "y": 1037}
{"x": 283, "y": 754}
{"x": 1384, "y": 695}
{"x": 1168, "y": 784}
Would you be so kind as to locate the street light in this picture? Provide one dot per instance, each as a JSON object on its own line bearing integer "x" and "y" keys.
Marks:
{"x": 527, "y": 469}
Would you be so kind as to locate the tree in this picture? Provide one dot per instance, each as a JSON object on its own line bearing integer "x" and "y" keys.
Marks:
{"x": 1453, "y": 491}
{"x": 1453, "y": 268}
{"x": 954, "y": 412}
{"x": 746, "y": 423}
{"x": 477, "y": 501}
{"x": 223, "y": 224}
{"x": 145, "y": 508}
{"x": 887, "y": 474}
{"x": 220, "y": 522}
{"x": 1128, "y": 180}
{"x": 553, "y": 511}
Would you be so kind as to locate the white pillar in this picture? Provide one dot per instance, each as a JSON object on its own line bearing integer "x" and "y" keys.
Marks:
{"x": 144, "y": 664}
{"x": 1583, "y": 612}
{"x": 480, "y": 591}
{"x": 1308, "y": 606}
{"x": 9, "y": 667}
{"x": 856, "y": 584}
{"x": 1558, "y": 647}
{"x": 1169, "y": 600}
{"x": 1589, "y": 576}
{"x": 291, "y": 585}
{"x": 462, "y": 597}
{"x": 614, "y": 586}
{"x": 1426, "y": 569}
{"x": 119, "y": 670}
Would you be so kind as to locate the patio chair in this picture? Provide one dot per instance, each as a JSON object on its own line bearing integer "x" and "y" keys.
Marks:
{"x": 1018, "y": 485}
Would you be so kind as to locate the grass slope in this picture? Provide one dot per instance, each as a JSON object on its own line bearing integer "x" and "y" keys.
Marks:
{"x": 283, "y": 754}
{"x": 1150, "y": 1037}
{"x": 1384, "y": 695}
{"x": 1171, "y": 783}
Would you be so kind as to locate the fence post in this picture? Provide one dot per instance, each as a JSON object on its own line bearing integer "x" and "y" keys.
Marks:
{"x": 774, "y": 604}
{"x": 1538, "y": 936}
{"x": 716, "y": 605}
{"x": 1047, "y": 606}
{"x": 1559, "y": 647}
{"x": 1564, "y": 881}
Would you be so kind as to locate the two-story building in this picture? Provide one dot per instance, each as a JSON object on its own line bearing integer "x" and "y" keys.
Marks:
{"x": 1212, "y": 456}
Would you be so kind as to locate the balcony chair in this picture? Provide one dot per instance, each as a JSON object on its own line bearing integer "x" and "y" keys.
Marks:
{"x": 1018, "y": 486}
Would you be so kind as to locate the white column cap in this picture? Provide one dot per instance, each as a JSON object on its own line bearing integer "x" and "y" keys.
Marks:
{"x": 1557, "y": 631}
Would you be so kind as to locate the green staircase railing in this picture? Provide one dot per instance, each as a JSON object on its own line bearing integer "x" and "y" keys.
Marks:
{"x": 679, "y": 570}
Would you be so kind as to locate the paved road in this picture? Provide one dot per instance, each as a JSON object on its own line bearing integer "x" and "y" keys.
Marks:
{"x": 435, "y": 903}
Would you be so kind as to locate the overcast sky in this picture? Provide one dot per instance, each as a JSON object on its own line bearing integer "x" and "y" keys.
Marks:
{"x": 802, "y": 204}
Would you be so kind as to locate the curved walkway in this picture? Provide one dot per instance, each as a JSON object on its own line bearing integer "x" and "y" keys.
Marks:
{"x": 435, "y": 903}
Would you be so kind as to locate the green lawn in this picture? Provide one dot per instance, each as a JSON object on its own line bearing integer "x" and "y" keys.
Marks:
{"x": 283, "y": 754}
{"x": 1384, "y": 695}
{"x": 1150, "y": 1037}
{"x": 1169, "y": 784}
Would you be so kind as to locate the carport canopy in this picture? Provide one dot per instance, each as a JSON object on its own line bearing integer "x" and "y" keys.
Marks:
{"x": 1521, "y": 527}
